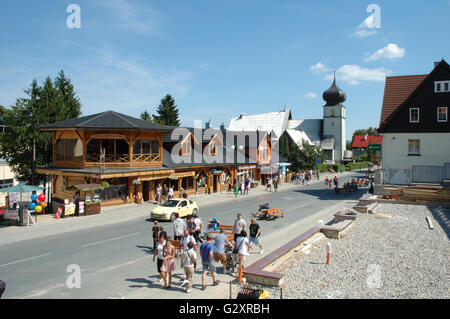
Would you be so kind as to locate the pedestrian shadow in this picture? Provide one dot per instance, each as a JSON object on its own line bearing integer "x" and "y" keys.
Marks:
{"x": 146, "y": 249}
{"x": 145, "y": 283}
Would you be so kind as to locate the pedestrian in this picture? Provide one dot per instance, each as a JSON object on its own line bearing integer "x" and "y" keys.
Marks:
{"x": 155, "y": 231}
{"x": 158, "y": 252}
{"x": 189, "y": 262}
{"x": 247, "y": 187}
{"x": 241, "y": 188}
{"x": 229, "y": 186}
{"x": 242, "y": 247}
{"x": 168, "y": 265}
{"x": 198, "y": 228}
{"x": 275, "y": 185}
{"x": 162, "y": 232}
{"x": 255, "y": 233}
{"x": 170, "y": 193}
{"x": 158, "y": 193}
{"x": 190, "y": 226}
{"x": 269, "y": 184}
{"x": 236, "y": 189}
{"x": 219, "y": 249}
{"x": 239, "y": 226}
{"x": 186, "y": 239}
{"x": 371, "y": 188}
{"x": 207, "y": 254}
{"x": 178, "y": 229}
{"x": 165, "y": 192}
{"x": 183, "y": 194}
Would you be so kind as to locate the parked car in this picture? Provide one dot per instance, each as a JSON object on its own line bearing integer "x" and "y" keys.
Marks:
{"x": 167, "y": 210}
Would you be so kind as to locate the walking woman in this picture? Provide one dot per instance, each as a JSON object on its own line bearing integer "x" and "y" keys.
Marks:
{"x": 168, "y": 265}
{"x": 242, "y": 247}
{"x": 158, "y": 252}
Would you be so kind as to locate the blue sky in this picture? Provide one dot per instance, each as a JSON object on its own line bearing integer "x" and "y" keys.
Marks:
{"x": 221, "y": 58}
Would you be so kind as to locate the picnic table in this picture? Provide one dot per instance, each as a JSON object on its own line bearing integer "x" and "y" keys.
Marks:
{"x": 269, "y": 214}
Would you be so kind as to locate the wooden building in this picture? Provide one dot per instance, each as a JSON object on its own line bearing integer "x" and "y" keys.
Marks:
{"x": 134, "y": 156}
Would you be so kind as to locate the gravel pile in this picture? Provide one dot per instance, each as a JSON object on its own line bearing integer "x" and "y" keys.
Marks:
{"x": 397, "y": 257}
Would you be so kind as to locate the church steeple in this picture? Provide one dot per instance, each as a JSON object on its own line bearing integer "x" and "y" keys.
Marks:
{"x": 334, "y": 95}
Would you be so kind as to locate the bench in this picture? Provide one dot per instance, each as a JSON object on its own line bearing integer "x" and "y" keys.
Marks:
{"x": 177, "y": 244}
{"x": 337, "y": 190}
{"x": 340, "y": 216}
{"x": 228, "y": 231}
{"x": 338, "y": 229}
{"x": 255, "y": 273}
{"x": 365, "y": 209}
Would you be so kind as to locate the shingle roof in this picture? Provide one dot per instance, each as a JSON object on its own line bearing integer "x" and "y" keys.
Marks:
{"x": 360, "y": 141}
{"x": 107, "y": 120}
{"x": 396, "y": 90}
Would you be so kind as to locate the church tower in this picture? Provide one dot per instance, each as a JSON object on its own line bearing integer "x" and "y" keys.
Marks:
{"x": 334, "y": 122}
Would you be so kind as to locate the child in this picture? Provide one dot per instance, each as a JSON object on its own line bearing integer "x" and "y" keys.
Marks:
{"x": 155, "y": 231}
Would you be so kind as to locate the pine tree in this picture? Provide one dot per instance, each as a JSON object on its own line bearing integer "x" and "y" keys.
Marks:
{"x": 167, "y": 112}
{"x": 69, "y": 104}
{"x": 146, "y": 116}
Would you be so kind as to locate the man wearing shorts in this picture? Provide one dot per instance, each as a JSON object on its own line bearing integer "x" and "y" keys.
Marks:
{"x": 207, "y": 254}
{"x": 239, "y": 226}
{"x": 255, "y": 232}
{"x": 219, "y": 249}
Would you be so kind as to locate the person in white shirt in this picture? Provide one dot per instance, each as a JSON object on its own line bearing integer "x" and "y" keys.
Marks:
{"x": 198, "y": 228}
{"x": 159, "y": 252}
{"x": 188, "y": 262}
{"x": 242, "y": 246}
{"x": 186, "y": 239}
{"x": 170, "y": 192}
{"x": 178, "y": 229}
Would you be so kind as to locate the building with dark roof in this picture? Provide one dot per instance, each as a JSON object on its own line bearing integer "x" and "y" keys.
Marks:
{"x": 416, "y": 129}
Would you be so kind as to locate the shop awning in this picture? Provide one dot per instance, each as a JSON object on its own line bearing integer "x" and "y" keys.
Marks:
{"x": 21, "y": 188}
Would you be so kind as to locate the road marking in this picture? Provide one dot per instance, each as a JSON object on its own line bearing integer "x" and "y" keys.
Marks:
{"x": 111, "y": 239}
{"x": 22, "y": 260}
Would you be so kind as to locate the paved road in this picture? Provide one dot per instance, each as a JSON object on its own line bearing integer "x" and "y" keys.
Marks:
{"x": 116, "y": 259}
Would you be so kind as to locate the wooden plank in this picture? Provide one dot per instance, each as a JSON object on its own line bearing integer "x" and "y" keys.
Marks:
{"x": 430, "y": 223}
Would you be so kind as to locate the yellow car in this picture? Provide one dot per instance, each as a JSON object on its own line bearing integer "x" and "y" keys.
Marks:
{"x": 167, "y": 210}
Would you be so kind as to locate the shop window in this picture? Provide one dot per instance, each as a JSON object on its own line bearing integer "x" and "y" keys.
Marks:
{"x": 188, "y": 183}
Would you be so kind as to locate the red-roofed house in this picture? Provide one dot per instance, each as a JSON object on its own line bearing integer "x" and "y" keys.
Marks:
{"x": 416, "y": 127}
{"x": 363, "y": 141}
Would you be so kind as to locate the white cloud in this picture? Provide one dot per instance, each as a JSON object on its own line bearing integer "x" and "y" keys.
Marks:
{"x": 390, "y": 52}
{"x": 311, "y": 95}
{"x": 319, "y": 67}
{"x": 354, "y": 74}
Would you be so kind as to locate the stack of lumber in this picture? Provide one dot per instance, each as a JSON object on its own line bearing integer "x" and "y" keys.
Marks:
{"x": 431, "y": 193}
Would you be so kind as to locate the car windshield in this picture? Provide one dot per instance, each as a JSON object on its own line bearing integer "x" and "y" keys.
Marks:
{"x": 170, "y": 203}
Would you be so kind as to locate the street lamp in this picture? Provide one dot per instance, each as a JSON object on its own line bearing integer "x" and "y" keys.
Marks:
{"x": 235, "y": 148}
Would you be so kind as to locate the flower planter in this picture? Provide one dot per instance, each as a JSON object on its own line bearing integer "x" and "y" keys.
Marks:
{"x": 92, "y": 209}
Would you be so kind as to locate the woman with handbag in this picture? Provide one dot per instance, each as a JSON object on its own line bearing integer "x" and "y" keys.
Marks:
{"x": 242, "y": 247}
{"x": 189, "y": 263}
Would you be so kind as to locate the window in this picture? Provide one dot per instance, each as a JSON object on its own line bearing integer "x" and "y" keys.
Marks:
{"x": 441, "y": 86}
{"x": 413, "y": 147}
{"x": 146, "y": 147}
{"x": 186, "y": 147}
{"x": 413, "y": 115}
{"x": 332, "y": 112}
{"x": 69, "y": 150}
{"x": 442, "y": 114}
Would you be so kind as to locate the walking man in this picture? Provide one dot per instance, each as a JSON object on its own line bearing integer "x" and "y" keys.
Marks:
{"x": 255, "y": 232}
{"x": 178, "y": 230}
{"x": 198, "y": 228}
{"x": 219, "y": 249}
{"x": 239, "y": 226}
{"x": 207, "y": 254}
{"x": 188, "y": 262}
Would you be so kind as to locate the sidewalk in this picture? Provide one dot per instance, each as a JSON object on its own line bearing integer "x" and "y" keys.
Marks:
{"x": 48, "y": 226}
{"x": 270, "y": 243}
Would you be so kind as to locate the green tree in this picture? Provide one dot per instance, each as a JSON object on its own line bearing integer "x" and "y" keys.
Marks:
{"x": 23, "y": 144}
{"x": 146, "y": 116}
{"x": 68, "y": 103}
{"x": 300, "y": 158}
{"x": 167, "y": 112}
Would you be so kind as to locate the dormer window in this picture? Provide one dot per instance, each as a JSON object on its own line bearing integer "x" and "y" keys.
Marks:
{"x": 441, "y": 86}
{"x": 414, "y": 115}
{"x": 186, "y": 147}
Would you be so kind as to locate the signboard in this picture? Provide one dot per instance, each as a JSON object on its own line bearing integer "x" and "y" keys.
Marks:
{"x": 317, "y": 160}
{"x": 11, "y": 214}
{"x": 374, "y": 147}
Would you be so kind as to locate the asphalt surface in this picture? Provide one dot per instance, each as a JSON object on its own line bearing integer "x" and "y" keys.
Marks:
{"x": 116, "y": 259}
